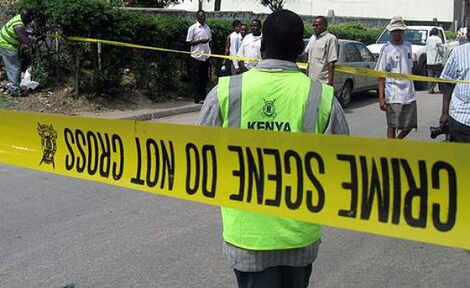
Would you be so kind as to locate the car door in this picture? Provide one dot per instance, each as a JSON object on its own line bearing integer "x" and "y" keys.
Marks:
{"x": 353, "y": 58}
{"x": 368, "y": 62}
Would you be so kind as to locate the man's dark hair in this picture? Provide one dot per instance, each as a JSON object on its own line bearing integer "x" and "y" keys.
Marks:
{"x": 258, "y": 21}
{"x": 236, "y": 23}
{"x": 323, "y": 19}
{"x": 26, "y": 16}
{"x": 283, "y": 33}
{"x": 433, "y": 32}
{"x": 200, "y": 11}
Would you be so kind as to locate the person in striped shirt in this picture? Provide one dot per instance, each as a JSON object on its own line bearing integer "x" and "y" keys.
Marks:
{"x": 456, "y": 98}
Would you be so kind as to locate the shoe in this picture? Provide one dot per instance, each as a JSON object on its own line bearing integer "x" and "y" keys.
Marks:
{"x": 201, "y": 102}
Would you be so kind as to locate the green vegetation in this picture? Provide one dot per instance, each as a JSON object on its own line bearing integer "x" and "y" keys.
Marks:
{"x": 156, "y": 74}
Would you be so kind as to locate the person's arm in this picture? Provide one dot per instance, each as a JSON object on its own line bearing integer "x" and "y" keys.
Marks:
{"x": 190, "y": 38}
{"x": 381, "y": 88}
{"x": 241, "y": 53}
{"x": 449, "y": 72}
{"x": 337, "y": 123}
{"x": 210, "y": 111}
{"x": 447, "y": 94}
{"x": 331, "y": 73}
{"x": 332, "y": 58}
{"x": 227, "y": 48}
{"x": 23, "y": 35}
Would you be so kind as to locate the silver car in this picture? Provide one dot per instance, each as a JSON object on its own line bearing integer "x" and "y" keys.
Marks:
{"x": 353, "y": 53}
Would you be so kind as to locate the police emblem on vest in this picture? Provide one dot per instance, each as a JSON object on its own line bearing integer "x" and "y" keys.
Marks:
{"x": 269, "y": 111}
{"x": 48, "y": 143}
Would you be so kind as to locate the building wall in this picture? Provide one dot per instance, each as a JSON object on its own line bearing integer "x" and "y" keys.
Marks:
{"x": 424, "y": 10}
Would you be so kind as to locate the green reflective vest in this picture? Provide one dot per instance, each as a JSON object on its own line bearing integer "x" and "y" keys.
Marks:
{"x": 8, "y": 38}
{"x": 278, "y": 101}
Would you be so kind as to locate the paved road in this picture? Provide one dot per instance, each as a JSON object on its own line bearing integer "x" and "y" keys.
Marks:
{"x": 56, "y": 230}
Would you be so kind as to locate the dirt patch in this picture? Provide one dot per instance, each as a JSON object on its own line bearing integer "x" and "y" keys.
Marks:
{"x": 62, "y": 100}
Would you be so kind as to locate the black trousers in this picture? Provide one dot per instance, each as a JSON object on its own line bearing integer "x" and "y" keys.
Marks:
{"x": 200, "y": 77}
{"x": 458, "y": 131}
{"x": 275, "y": 277}
{"x": 435, "y": 71}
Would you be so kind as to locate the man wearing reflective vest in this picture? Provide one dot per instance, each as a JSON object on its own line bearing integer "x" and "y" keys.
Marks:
{"x": 12, "y": 35}
{"x": 267, "y": 251}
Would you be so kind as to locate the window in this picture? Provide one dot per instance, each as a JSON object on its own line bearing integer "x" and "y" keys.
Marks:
{"x": 416, "y": 37}
{"x": 366, "y": 55}
{"x": 351, "y": 54}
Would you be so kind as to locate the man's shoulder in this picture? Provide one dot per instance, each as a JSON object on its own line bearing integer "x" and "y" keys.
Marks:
{"x": 386, "y": 48}
{"x": 330, "y": 36}
{"x": 465, "y": 48}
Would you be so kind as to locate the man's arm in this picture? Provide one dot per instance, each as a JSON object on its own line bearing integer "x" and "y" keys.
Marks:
{"x": 337, "y": 124}
{"x": 227, "y": 48}
{"x": 447, "y": 94}
{"x": 331, "y": 73}
{"x": 210, "y": 111}
{"x": 332, "y": 58}
{"x": 381, "y": 88}
{"x": 449, "y": 72}
{"x": 23, "y": 35}
{"x": 190, "y": 38}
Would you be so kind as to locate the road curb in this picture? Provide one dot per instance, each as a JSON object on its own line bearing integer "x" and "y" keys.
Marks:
{"x": 164, "y": 113}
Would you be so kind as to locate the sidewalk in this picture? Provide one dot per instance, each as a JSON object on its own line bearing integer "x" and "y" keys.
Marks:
{"x": 158, "y": 110}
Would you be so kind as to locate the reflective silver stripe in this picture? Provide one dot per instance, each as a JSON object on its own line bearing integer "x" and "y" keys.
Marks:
{"x": 313, "y": 104}
{"x": 235, "y": 101}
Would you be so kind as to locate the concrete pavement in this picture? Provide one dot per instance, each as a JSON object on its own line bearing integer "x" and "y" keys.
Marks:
{"x": 56, "y": 230}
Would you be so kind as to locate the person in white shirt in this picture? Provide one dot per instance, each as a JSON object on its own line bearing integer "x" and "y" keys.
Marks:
{"x": 232, "y": 45}
{"x": 434, "y": 53}
{"x": 251, "y": 47}
{"x": 397, "y": 97}
{"x": 199, "y": 37}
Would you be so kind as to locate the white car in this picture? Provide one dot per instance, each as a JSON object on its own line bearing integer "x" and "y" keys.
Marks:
{"x": 417, "y": 36}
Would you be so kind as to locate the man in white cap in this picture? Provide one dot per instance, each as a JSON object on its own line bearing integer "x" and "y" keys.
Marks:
{"x": 397, "y": 97}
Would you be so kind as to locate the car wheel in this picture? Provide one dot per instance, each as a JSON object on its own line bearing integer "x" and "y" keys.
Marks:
{"x": 344, "y": 95}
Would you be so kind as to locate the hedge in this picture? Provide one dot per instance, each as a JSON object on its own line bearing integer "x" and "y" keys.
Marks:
{"x": 157, "y": 74}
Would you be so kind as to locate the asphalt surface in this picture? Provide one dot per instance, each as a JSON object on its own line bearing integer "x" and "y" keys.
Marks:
{"x": 56, "y": 231}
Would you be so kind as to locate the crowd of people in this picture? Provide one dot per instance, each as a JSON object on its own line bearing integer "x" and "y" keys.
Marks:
{"x": 397, "y": 97}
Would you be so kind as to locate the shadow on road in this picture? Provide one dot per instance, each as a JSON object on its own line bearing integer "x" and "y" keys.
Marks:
{"x": 361, "y": 99}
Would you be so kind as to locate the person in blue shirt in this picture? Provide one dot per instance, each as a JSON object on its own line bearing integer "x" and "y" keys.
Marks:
{"x": 456, "y": 99}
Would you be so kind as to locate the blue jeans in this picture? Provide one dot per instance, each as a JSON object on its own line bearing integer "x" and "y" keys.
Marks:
{"x": 12, "y": 63}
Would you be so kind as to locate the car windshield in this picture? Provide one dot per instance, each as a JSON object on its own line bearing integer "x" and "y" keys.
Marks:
{"x": 415, "y": 37}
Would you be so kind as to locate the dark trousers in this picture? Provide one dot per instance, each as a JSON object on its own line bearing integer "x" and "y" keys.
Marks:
{"x": 435, "y": 71}
{"x": 275, "y": 277}
{"x": 200, "y": 76}
{"x": 458, "y": 131}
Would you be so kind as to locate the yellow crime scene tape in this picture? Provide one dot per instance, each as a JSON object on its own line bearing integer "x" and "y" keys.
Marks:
{"x": 405, "y": 189}
{"x": 338, "y": 68}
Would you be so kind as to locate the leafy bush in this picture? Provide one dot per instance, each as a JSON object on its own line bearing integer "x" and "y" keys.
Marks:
{"x": 451, "y": 34}
{"x": 156, "y": 74}
{"x": 355, "y": 31}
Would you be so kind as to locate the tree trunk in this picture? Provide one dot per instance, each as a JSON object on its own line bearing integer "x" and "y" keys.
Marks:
{"x": 217, "y": 5}
{"x": 200, "y": 5}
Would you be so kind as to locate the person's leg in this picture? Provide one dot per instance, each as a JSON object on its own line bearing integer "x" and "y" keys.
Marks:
{"x": 431, "y": 74}
{"x": 267, "y": 278}
{"x": 204, "y": 72}
{"x": 11, "y": 60}
{"x": 196, "y": 78}
{"x": 458, "y": 131}
{"x": 295, "y": 277}
{"x": 403, "y": 133}
{"x": 391, "y": 133}
{"x": 439, "y": 69}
